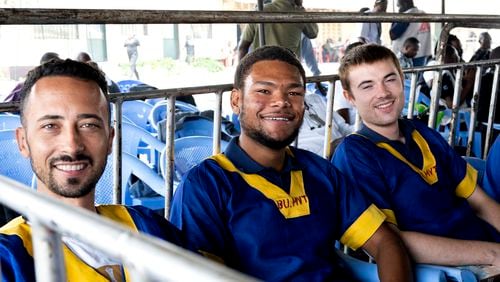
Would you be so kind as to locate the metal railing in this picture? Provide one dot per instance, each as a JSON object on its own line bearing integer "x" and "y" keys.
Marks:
{"x": 146, "y": 258}
{"x": 155, "y": 255}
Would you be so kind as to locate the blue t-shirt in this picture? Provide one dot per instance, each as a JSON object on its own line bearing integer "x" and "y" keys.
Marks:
{"x": 421, "y": 185}
{"x": 491, "y": 180}
{"x": 269, "y": 224}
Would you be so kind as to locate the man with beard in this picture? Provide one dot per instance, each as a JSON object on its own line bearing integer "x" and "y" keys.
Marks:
{"x": 66, "y": 134}
{"x": 408, "y": 170}
{"x": 275, "y": 211}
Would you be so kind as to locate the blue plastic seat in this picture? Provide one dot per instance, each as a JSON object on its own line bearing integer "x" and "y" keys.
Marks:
{"x": 15, "y": 165}
{"x": 132, "y": 168}
{"x": 479, "y": 164}
{"x": 159, "y": 111}
{"x": 188, "y": 152}
{"x": 194, "y": 126}
{"x": 138, "y": 111}
{"x": 125, "y": 85}
{"x": 8, "y": 121}
{"x": 367, "y": 272}
{"x": 136, "y": 141}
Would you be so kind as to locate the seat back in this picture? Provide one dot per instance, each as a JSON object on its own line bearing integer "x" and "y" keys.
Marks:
{"x": 14, "y": 165}
{"x": 137, "y": 141}
{"x": 8, "y": 121}
{"x": 479, "y": 164}
{"x": 188, "y": 152}
{"x": 133, "y": 169}
{"x": 194, "y": 126}
{"x": 159, "y": 111}
{"x": 125, "y": 85}
{"x": 138, "y": 112}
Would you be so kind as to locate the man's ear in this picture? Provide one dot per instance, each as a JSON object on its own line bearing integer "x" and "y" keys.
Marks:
{"x": 348, "y": 97}
{"x": 22, "y": 142}
{"x": 236, "y": 96}
{"x": 110, "y": 140}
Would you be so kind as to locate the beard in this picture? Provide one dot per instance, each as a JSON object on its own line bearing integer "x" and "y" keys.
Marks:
{"x": 264, "y": 139}
{"x": 71, "y": 187}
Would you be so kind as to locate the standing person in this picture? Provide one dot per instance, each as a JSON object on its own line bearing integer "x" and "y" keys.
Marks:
{"x": 131, "y": 44}
{"x": 328, "y": 51}
{"x": 407, "y": 169}
{"x": 422, "y": 31}
{"x": 189, "y": 49}
{"x": 66, "y": 134}
{"x": 280, "y": 34}
{"x": 372, "y": 31}
{"x": 271, "y": 210}
{"x": 407, "y": 53}
{"x": 14, "y": 94}
{"x": 483, "y": 53}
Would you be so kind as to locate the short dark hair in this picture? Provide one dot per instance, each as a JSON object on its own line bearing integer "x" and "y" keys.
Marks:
{"x": 365, "y": 54}
{"x": 411, "y": 41}
{"x": 265, "y": 53}
{"x": 48, "y": 57}
{"x": 69, "y": 68}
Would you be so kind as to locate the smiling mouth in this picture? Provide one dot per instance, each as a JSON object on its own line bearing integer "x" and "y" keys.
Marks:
{"x": 384, "y": 105}
{"x": 71, "y": 167}
{"x": 278, "y": 118}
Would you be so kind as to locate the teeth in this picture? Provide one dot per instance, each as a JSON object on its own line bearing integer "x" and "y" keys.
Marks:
{"x": 386, "y": 105}
{"x": 280, "y": 119}
{"x": 70, "y": 167}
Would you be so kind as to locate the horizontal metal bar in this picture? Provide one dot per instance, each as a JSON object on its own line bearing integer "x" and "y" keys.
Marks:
{"x": 135, "y": 249}
{"x": 107, "y": 16}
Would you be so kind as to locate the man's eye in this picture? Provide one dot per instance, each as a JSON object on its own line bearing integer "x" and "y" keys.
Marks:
{"x": 48, "y": 126}
{"x": 296, "y": 93}
{"x": 90, "y": 125}
{"x": 263, "y": 91}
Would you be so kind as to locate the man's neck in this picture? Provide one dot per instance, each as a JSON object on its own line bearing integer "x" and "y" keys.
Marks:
{"x": 263, "y": 155}
{"x": 391, "y": 132}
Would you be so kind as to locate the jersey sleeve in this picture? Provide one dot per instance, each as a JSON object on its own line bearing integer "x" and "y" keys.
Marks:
{"x": 149, "y": 222}
{"x": 360, "y": 219}
{"x": 354, "y": 158}
{"x": 197, "y": 211}
{"x": 491, "y": 180}
{"x": 15, "y": 262}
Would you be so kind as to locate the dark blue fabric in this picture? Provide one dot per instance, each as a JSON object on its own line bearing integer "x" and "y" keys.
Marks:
{"x": 393, "y": 185}
{"x": 221, "y": 214}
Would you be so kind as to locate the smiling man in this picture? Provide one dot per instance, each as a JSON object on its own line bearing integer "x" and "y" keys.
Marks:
{"x": 66, "y": 133}
{"x": 410, "y": 172}
{"x": 271, "y": 210}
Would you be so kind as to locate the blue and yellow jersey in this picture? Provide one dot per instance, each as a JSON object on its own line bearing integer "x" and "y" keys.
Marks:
{"x": 16, "y": 251}
{"x": 421, "y": 185}
{"x": 272, "y": 225}
{"x": 491, "y": 180}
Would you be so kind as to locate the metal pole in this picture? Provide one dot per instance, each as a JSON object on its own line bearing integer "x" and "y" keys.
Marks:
{"x": 262, "y": 35}
{"x": 217, "y": 122}
{"x": 411, "y": 99}
{"x": 169, "y": 176}
{"x": 327, "y": 152}
{"x": 455, "y": 106}
{"x": 117, "y": 153}
{"x": 473, "y": 109}
{"x": 47, "y": 253}
{"x": 492, "y": 111}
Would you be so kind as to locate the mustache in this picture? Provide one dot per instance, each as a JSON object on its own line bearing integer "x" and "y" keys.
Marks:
{"x": 68, "y": 158}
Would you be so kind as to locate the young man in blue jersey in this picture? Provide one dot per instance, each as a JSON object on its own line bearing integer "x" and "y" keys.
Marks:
{"x": 491, "y": 180}
{"x": 410, "y": 172}
{"x": 274, "y": 211}
{"x": 66, "y": 133}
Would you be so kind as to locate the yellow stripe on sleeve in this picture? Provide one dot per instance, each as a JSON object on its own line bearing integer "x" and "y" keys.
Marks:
{"x": 391, "y": 216}
{"x": 363, "y": 228}
{"x": 468, "y": 184}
